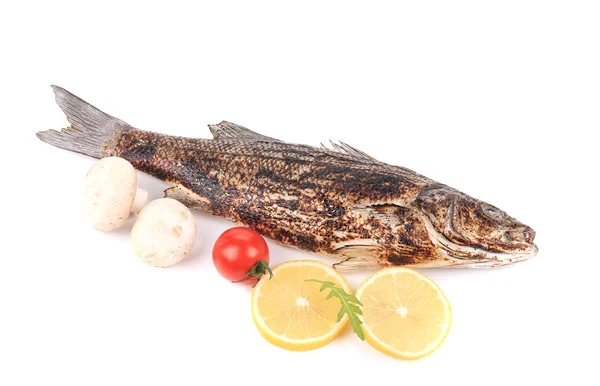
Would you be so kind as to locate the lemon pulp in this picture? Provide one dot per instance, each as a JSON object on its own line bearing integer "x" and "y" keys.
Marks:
{"x": 405, "y": 314}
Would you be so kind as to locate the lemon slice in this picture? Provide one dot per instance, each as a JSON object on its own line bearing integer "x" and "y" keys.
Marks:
{"x": 404, "y": 314}
{"x": 292, "y": 313}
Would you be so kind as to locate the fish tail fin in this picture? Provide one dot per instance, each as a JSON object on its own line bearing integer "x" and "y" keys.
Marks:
{"x": 92, "y": 132}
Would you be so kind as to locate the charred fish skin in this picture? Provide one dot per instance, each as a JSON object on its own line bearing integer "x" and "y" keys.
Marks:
{"x": 338, "y": 202}
{"x": 314, "y": 199}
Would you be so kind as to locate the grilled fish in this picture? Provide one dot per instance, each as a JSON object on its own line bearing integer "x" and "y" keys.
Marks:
{"x": 336, "y": 201}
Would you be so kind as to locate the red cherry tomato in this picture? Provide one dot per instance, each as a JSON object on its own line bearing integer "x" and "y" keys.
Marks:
{"x": 241, "y": 255}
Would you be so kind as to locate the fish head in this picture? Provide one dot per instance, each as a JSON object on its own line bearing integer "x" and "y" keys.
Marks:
{"x": 474, "y": 233}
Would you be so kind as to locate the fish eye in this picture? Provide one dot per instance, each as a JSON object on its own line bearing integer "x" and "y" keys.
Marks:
{"x": 492, "y": 211}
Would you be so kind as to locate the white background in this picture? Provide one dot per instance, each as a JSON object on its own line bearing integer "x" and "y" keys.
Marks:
{"x": 497, "y": 99}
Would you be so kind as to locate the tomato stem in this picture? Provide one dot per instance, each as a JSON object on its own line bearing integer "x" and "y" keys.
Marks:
{"x": 260, "y": 268}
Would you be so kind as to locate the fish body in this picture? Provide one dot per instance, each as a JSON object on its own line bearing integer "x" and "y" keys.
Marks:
{"x": 337, "y": 201}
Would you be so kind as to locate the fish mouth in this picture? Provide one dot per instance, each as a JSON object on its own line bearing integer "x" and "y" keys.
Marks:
{"x": 466, "y": 256}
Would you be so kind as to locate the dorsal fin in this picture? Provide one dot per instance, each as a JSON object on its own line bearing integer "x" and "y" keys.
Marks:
{"x": 231, "y": 130}
{"x": 347, "y": 149}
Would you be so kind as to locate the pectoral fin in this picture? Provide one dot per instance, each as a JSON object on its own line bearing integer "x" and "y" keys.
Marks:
{"x": 352, "y": 264}
{"x": 359, "y": 255}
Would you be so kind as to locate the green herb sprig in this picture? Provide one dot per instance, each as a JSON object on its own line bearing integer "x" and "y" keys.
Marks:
{"x": 350, "y": 305}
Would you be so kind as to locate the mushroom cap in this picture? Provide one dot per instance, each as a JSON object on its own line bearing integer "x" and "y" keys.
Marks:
{"x": 164, "y": 233}
{"x": 108, "y": 193}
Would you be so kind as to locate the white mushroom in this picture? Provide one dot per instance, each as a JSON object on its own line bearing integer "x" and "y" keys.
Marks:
{"x": 164, "y": 233}
{"x": 110, "y": 193}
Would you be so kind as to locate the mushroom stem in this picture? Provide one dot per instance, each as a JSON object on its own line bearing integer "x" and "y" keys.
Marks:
{"x": 140, "y": 199}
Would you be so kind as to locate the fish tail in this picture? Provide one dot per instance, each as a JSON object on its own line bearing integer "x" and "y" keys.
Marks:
{"x": 92, "y": 132}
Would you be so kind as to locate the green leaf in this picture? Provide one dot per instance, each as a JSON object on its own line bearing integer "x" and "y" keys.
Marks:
{"x": 350, "y": 305}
